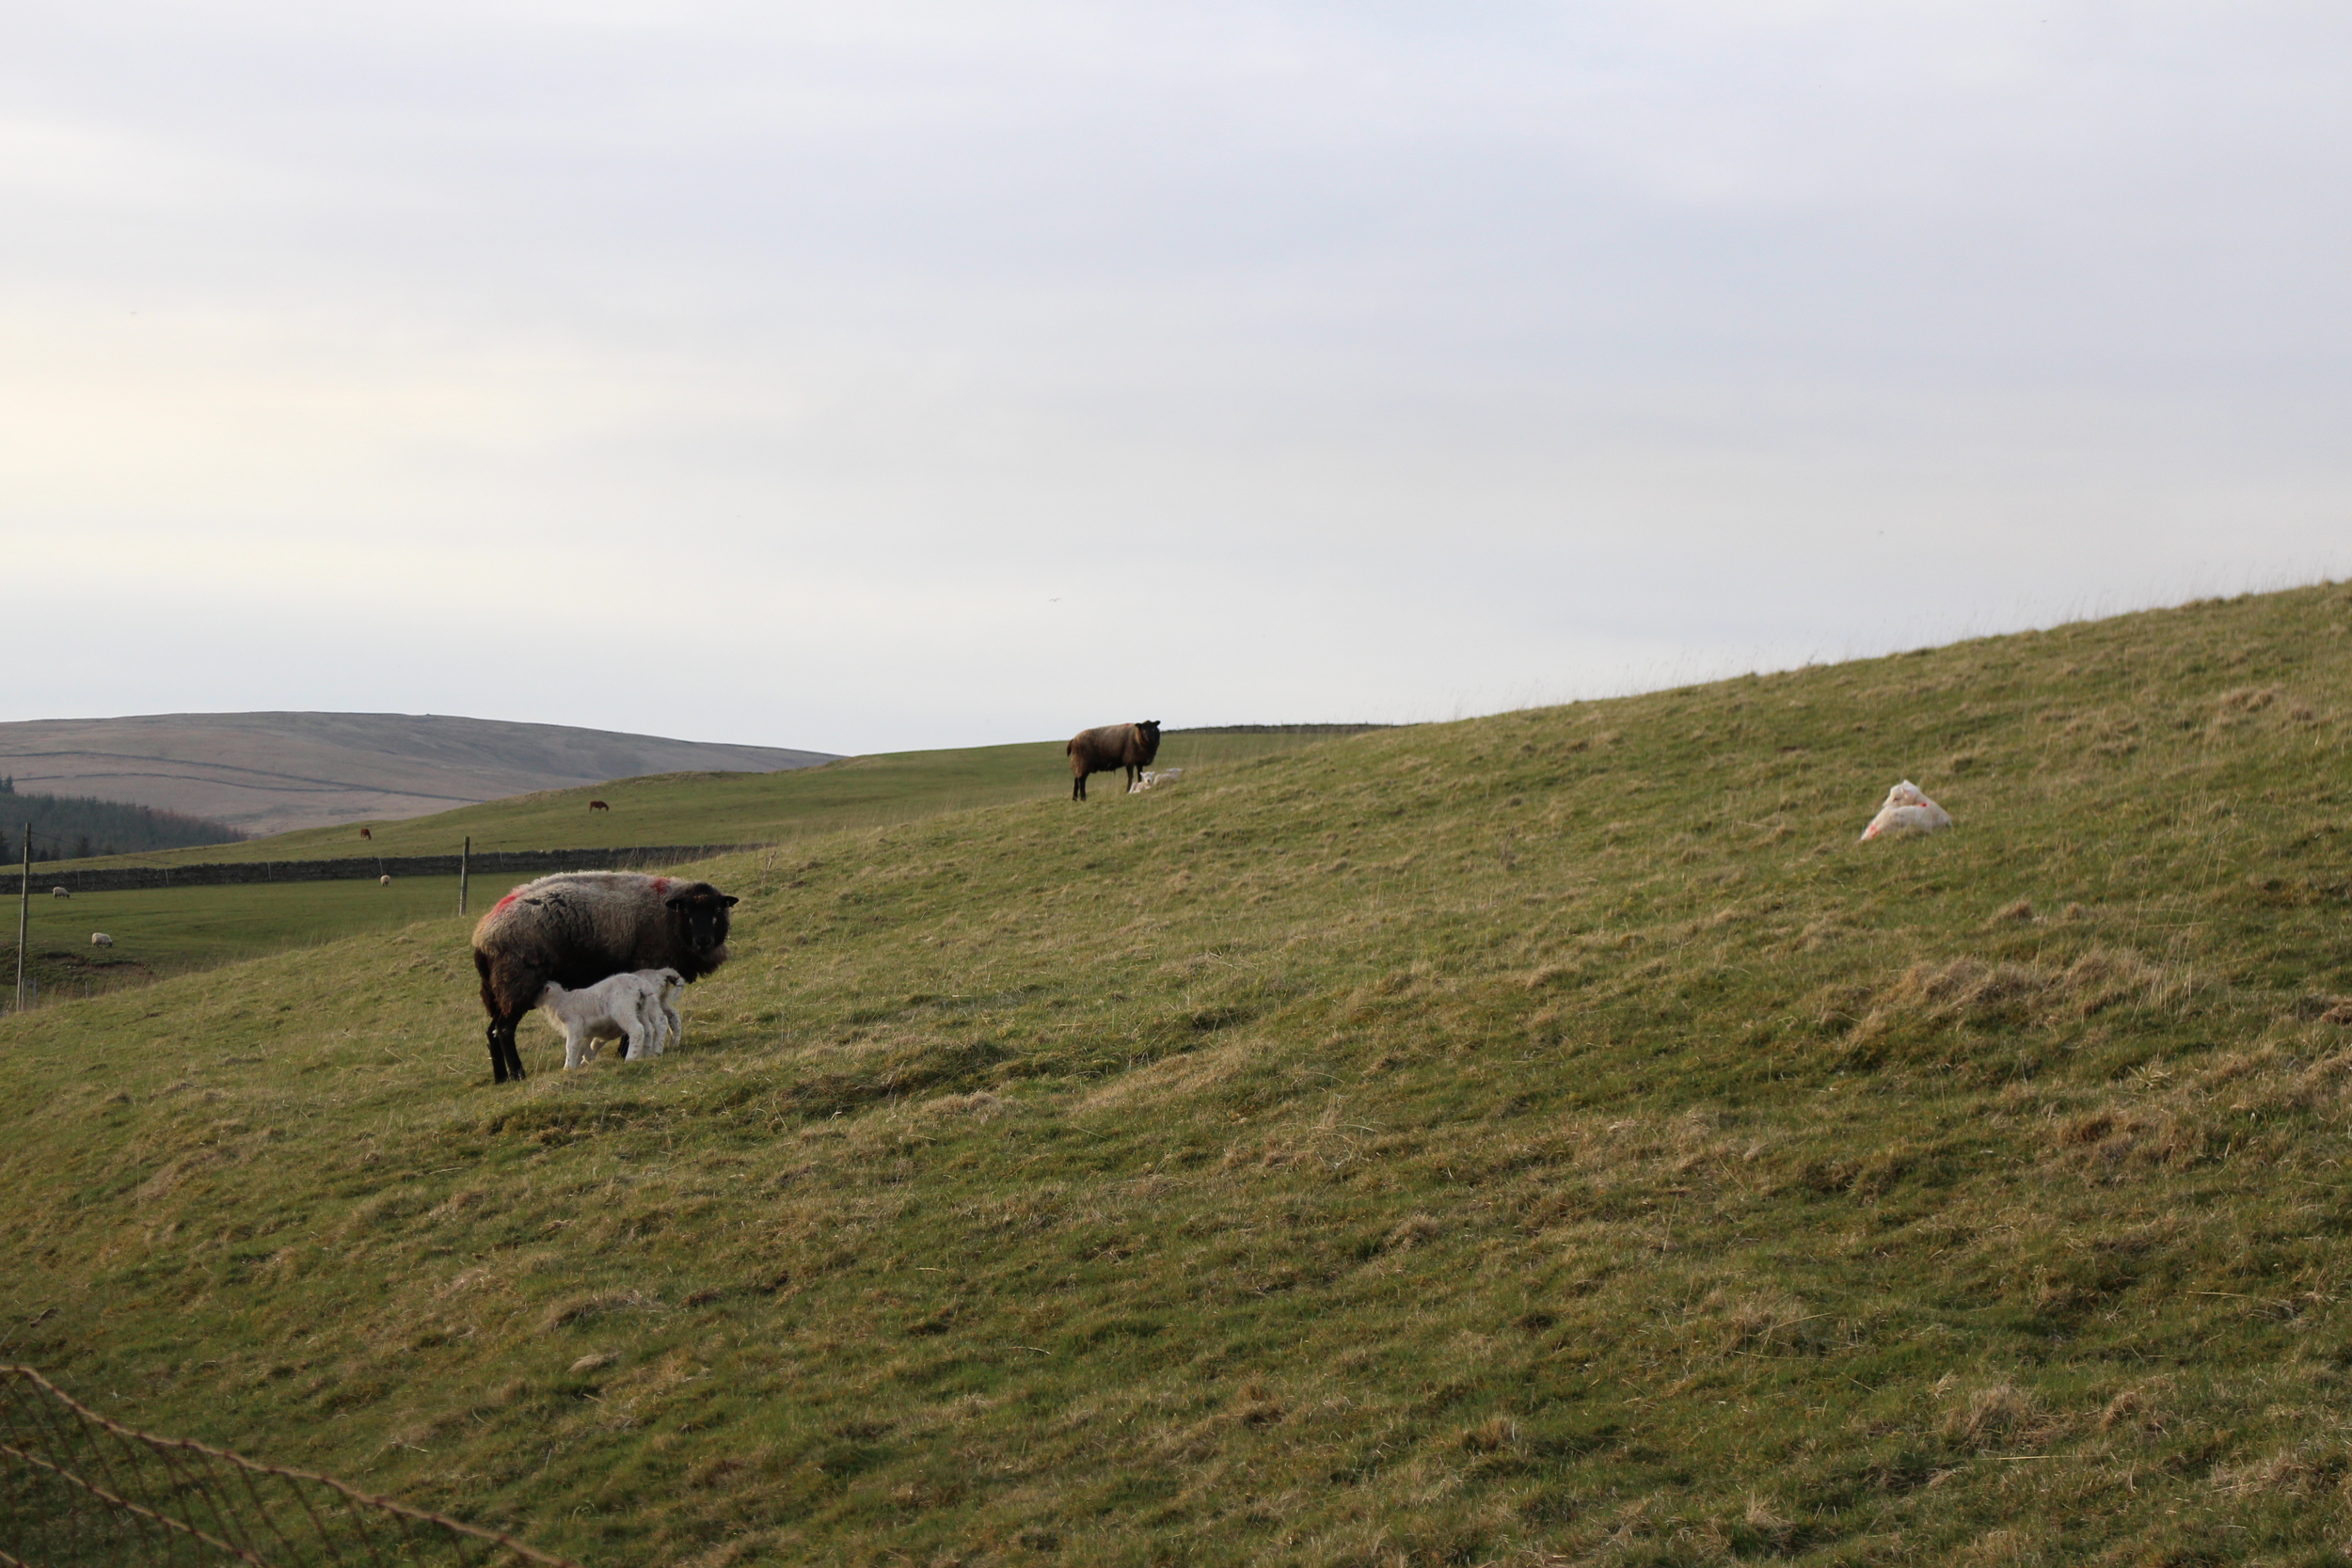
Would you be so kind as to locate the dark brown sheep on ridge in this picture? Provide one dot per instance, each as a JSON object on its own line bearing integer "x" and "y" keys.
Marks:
{"x": 1109, "y": 749}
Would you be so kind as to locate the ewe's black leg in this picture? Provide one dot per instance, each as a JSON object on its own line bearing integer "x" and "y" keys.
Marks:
{"x": 505, "y": 1061}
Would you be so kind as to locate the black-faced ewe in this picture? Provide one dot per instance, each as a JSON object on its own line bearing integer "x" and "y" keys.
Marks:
{"x": 1109, "y": 749}
{"x": 577, "y": 929}
{"x": 624, "y": 1007}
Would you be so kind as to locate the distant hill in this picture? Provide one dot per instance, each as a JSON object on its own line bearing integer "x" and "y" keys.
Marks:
{"x": 272, "y": 773}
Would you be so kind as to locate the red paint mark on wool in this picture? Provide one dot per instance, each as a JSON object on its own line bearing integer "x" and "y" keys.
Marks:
{"x": 508, "y": 899}
{"x": 661, "y": 884}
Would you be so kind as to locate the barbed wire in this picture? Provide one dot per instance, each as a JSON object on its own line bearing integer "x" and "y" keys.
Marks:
{"x": 78, "y": 1489}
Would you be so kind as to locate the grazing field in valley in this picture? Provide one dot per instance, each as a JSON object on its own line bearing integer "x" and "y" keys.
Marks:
{"x": 169, "y": 930}
{"x": 161, "y": 931}
{"x": 1544, "y": 1137}
{"x": 729, "y": 808}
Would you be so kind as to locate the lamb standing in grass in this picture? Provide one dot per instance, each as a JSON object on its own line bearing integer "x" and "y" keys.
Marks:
{"x": 577, "y": 929}
{"x": 661, "y": 1014}
{"x": 1907, "y": 811}
{"x": 624, "y": 1007}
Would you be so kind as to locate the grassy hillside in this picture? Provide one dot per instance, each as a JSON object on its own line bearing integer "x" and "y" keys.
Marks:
{"x": 161, "y": 931}
{"x": 733, "y": 808}
{"x": 1544, "y": 1138}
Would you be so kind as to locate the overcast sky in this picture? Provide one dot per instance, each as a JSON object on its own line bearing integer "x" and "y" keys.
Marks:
{"x": 891, "y": 376}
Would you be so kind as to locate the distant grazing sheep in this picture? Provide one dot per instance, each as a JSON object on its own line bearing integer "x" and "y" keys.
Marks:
{"x": 365, "y": 834}
{"x": 598, "y": 806}
{"x": 100, "y": 939}
{"x": 385, "y": 881}
{"x": 59, "y": 893}
{"x": 1109, "y": 749}
{"x": 1906, "y": 811}
{"x": 624, "y": 1007}
{"x": 578, "y": 927}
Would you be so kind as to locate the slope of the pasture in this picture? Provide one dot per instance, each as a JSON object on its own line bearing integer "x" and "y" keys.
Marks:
{"x": 729, "y": 808}
{"x": 1549, "y": 1135}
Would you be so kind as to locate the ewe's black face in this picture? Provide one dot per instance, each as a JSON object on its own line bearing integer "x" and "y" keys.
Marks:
{"x": 704, "y": 917}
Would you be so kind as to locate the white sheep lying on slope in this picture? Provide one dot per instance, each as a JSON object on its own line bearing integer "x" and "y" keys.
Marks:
{"x": 625, "y": 1008}
{"x": 1907, "y": 811}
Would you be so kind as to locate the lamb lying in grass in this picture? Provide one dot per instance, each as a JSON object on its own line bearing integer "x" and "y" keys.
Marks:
{"x": 625, "y": 1008}
{"x": 1906, "y": 811}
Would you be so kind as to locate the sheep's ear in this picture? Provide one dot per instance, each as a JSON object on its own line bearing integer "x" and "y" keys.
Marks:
{"x": 678, "y": 903}
{"x": 729, "y": 899}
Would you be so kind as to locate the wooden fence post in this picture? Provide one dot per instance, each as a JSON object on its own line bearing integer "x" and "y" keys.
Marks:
{"x": 24, "y": 912}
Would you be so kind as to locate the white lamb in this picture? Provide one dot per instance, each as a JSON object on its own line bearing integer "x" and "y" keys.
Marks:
{"x": 100, "y": 939}
{"x": 661, "y": 1015}
{"x": 1907, "y": 811}
{"x": 614, "y": 1008}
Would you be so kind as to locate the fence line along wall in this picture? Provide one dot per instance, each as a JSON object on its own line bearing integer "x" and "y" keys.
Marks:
{"x": 76, "y": 1488}
{"x": 535, "y": 863}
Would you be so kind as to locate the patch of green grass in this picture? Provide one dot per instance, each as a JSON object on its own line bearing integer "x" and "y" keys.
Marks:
{"x": 1544, "y": 1137}
{"x": 667, "y": 809}
{"x": 161, "y": 931}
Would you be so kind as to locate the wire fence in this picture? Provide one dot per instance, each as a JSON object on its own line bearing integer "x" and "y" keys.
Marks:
{"x": 77, "y": 1491}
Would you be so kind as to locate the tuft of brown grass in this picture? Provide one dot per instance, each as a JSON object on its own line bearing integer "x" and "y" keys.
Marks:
{"x": 1998, "y": 1414}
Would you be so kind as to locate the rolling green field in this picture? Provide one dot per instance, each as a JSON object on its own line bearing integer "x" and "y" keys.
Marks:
{"x": 162, "y": 931}
{"x": 170, "y": 930}
{"x": 730, "y": 808}
{"x": 1545, "y": 1138}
